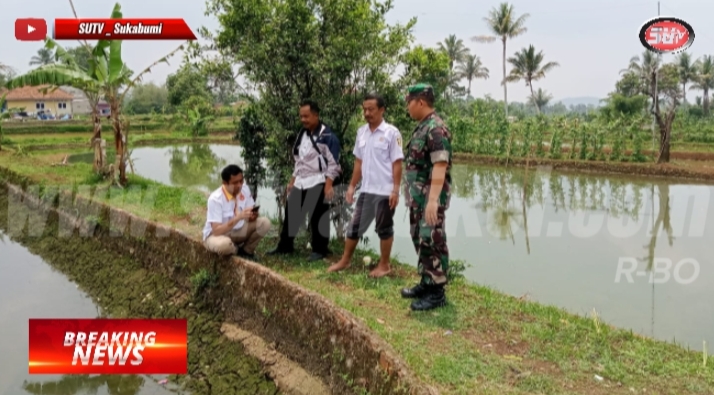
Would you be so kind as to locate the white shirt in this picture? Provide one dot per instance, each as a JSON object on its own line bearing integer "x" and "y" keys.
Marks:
{"x": 311, "y": 181}
{"x": 378, "y": 150}
{"x": 222, "y": 210}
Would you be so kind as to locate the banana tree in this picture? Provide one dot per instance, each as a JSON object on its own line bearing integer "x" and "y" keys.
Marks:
{"x": 107, "y": 76}
{"x": 115, "y": 80}
{"x": 67, "y": 72}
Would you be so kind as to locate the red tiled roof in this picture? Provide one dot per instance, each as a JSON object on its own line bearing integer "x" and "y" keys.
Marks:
{"x": 35, "y": 93}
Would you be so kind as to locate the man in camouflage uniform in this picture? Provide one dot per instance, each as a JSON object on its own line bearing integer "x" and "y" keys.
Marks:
{"x": 428, "y": 194}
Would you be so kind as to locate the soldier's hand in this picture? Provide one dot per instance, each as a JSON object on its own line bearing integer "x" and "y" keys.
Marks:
{"x": 431, "y": 213}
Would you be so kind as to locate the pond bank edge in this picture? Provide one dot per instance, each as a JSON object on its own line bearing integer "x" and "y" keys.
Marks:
{"x": 323, "y": 338}
{"x": 140, "y": 143}
{"x": 594, "y": 167}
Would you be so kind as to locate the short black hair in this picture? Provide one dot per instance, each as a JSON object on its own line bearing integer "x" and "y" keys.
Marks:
{"x": 376, "y": 97}
{"x": 230, "y": 171}
{"x": 313, "y": 105}
{"x": 428, "y": 99}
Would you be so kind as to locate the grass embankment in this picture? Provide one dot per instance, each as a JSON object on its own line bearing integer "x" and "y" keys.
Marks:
{"x": 125, "y": 289}
{"x": 136, "y": 124}
{"x": 71, "y": 140}
{"x": 484, "y": 342}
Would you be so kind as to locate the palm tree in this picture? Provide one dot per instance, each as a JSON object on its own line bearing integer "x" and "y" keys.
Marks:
{"x": 529, "y": 66}
{"x": 647, "y": 68}
{"x": 504, "y": 24}
{"x": 687, "y": 71}
{"x": 471, "y": 68}
{"x": 455, "y": 48}
{"x": 540, "y": 99}
{"x": 44, "y": 57}
{"x": 704, "y": 81}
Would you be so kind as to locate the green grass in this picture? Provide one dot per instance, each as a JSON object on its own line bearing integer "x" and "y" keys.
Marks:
{"x": 138, "y": 124}
{"x": 483, "y": 342}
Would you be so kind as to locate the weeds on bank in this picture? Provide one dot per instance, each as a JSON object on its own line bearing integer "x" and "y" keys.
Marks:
{"x": 202, "y": 280}
{"x": 487, "y": 341}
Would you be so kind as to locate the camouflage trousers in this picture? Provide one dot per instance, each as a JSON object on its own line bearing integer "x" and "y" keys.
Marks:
{"x": 430, "y": 245}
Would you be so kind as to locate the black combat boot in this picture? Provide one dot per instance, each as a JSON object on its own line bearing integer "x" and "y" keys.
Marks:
{"x": 433, "y": 298}
{"x": 415, "y": 292}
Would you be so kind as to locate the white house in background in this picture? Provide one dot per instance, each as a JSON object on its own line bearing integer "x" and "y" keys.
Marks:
{"x": 81, "y": 103}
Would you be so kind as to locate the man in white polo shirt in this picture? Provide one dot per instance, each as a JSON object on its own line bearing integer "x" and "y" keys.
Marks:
{"x": 232, "y": 222}
{"x": 378, "y": 163}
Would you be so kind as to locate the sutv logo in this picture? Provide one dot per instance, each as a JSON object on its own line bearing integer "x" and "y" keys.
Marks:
{"x": 666, "y": 34}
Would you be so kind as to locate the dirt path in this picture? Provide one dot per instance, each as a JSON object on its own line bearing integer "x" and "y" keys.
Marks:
{"x": 681, "y": 169}
{"x": 288, "y": 376}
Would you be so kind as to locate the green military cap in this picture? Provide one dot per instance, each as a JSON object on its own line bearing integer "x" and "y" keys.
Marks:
{"x": 420, "y": 90}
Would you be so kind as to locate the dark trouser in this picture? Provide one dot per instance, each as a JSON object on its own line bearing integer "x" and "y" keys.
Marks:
{"x": 370, "y": 207}
{"x": 306, "y": 202}
{"x": 430, "y": 245}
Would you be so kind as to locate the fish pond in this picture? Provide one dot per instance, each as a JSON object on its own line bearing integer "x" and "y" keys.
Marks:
{"x": 635, "y": 251}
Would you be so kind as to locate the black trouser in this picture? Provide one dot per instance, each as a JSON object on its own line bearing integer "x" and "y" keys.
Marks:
{"x": 306, "y": 202}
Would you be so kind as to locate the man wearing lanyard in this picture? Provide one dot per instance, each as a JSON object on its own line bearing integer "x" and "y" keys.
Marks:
{"x": 378, "y": 164}
{"x": 317, "y": 155}
{"x": 232, "y": 218}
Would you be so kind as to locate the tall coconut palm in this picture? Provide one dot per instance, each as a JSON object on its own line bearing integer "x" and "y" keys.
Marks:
{"x": 455, "y": 48}
{"x": 647, "y": 68}
{"x": 687, "y": 71}
{"x": 529, "y": 65}
{"x": 43, "y": 58}
{"x": 540, "y": 99}
{"x": 504, "y": 25}
{"x": 471, "y": 68}
{"x": 704, "y": 80}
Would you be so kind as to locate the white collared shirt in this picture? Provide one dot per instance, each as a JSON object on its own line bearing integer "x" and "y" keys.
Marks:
{"x": 221, "y": 210}
{"x": 310, "y": 181}
{"x": 378, "y": 150}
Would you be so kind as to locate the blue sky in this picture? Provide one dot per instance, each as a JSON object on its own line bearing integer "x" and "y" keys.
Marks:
{"x": 592, "y": 41}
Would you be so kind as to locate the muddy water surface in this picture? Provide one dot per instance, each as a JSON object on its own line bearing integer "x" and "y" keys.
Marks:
{"x": 585, "y": 235}
{"x": 30, "y": 288}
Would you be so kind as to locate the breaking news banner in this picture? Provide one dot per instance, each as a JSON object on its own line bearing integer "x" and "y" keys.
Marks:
{"x": 108, "y": 346}
{"x": 122, "y": 29}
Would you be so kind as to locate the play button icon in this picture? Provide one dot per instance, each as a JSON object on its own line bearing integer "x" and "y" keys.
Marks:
{"x": 30, "y": 29}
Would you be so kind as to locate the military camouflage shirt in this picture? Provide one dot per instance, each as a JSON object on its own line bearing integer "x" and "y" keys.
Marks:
{"x": 430, "y": 143}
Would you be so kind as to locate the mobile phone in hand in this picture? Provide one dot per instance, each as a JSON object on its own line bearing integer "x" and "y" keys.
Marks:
{"x": 255, "y": 209}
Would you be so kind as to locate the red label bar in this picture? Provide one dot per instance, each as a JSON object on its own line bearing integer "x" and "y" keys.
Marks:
{"x": 122, "y": 29}
{"x": 108, "y": 346}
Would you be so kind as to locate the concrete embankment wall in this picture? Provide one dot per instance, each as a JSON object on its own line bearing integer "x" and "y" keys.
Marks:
{"x": 326, "y": 340}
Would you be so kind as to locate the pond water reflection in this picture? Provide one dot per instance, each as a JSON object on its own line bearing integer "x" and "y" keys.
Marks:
{"x": 562, "y": 239}
{"x": 30, "y": 288}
